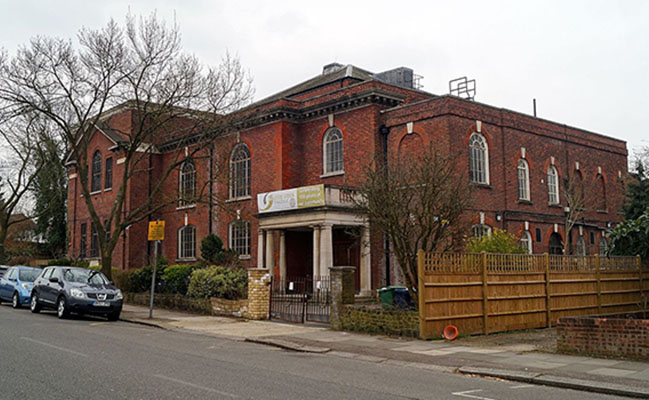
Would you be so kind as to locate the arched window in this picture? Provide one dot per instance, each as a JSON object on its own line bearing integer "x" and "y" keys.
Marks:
{"x": 603, "y": 246}
{"x": 478, "y": 159}
{"x": 187, "y": 242}
{"x": 523, "y": 180}
{"x": 481, "y": 230}
{"x": 556, "y": 245}
{"x": 239, "y": 237}
{"x": 580, "y": 246}
{"x": 95, "y": 180}
{"x": 526, "y": 241}
{"x": 553, "y": 185}
{"x": 240, "y": 171}
{"x": 187, "y": 183}
{"x": 332, "y": 151}
{"x": 601, "y": 193}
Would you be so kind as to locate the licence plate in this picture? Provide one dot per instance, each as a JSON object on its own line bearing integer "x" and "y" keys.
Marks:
{"x": 101, "y": 304}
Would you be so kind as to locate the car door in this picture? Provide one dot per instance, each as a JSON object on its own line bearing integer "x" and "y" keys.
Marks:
{"x": 54, "y": 288}
{"x": 43, "y": 285}
{"x": 4, "y": 284}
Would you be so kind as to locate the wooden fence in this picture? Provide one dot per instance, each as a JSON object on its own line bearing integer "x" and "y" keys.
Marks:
{"x": 486, "y": 293}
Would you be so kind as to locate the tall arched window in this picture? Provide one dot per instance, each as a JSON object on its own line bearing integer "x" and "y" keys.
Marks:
{"x": 556, "y": 244}
{"x": 600, "y": 186}
{"x": 187, "y": 242}
{"x": 481, "y": 230}
{"x": 580, "y": 246}
{"x": 603, "y": 246}
{"x": 332, "y": 151}
{"x": 187, "y": 183}
{"x": 523, "y": 180}
{"x": 240, "y": 171}
{"x": 526, "y": 241}
{"x": 239, "y": 237}
{"x": 95, "y": 180}
{"x": 478, "y": 159}
{"x": 553, "y": 185}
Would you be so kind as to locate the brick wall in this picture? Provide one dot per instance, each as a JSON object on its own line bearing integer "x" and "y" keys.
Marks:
{"x": 606, "y": 336}
{"x": 370, "y": 319}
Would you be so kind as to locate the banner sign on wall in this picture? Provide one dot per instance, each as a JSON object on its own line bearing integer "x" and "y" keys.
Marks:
{"x": 291, "y": 199}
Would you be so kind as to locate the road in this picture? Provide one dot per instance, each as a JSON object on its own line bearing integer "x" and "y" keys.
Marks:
{"x": 42, "y": 357}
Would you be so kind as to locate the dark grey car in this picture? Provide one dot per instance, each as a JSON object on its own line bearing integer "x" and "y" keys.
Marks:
{"x": 76, "y": 290}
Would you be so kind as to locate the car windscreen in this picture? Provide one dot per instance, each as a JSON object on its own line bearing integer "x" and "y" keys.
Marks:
{"x": 85, "y": 276}
{"x": 28, "y": 275}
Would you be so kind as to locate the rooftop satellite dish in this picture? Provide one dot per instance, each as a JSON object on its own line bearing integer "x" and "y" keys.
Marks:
{"x": 462, "y": 87}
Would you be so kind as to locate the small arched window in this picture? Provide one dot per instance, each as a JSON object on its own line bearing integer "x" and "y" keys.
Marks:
{"x": 95, "y": 180}
{"x": 332, "y": 151}
{"x": 580, "y": 246}
{"x": 187, "y": 183}
{"x": 481, "y": 230}
{"x": 601, "y": 193}
{"x": 187, "y": 242}
{"x": 603, "y": 246}
{"x": 239, "y": 237}
{"x": 523, "y": 180}
{"x": 526, "y": 241}
{"x": 478, "y": 159}
{"x": 553, "y": 185}
{"x": 240, "y": 171}
{"x": 556, "y": 244}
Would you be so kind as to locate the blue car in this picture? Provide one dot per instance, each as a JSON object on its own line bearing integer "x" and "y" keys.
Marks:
{"x": 16, "y": 285}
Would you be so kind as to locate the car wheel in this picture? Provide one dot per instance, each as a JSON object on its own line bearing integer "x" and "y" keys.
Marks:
{"x": 62, "y": 308}
{"x": 33, "y": 305}
{"x": 113, "y": 316}
{"x": 15, "y": 301}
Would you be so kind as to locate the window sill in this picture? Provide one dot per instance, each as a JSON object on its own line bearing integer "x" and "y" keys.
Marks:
{"x": 110, "y": 189}
{"x": 95, "y": 192}
{"x": 330, "y": 174}
{"x": 186, "y": 259}
{"x": 185, "y": 207}
{"x": 554, "y": 205}
{"x": 245, "y": 257}
{"x": 602, "y": 212}
{"x": 235, "y": 199}
{"x": 527, "y": 202}
{"x": 482, "y": 185}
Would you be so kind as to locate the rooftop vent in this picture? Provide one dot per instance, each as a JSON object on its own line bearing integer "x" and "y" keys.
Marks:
{"x": 333, "y": 67}
{"x": 402, "y": 76}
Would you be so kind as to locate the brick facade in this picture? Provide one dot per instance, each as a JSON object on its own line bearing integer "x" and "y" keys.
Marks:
{"x": 284, "y": 136}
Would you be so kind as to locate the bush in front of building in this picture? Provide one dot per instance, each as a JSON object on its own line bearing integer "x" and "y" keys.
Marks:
{"x": 500, "y": 242}
{"x": 217, "y": 281}
{"x": 176, "y": 278}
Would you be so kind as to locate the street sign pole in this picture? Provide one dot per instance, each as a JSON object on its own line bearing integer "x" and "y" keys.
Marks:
{"x": 155, "y": 268}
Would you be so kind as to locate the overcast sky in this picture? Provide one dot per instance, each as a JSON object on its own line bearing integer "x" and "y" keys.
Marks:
{"x": 586, "y": 62}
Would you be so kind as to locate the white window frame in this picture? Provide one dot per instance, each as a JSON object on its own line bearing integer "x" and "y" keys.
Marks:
{"x": 478, "y": 159}
{"x": 186, "y": 176}
{"x": 580, "y": 246}
{"x": 333, "y": 152}
{"x": 523, "y": 172}
{"x": 553, "y": 185}
{"x": 481, "y": 230}
{"x": 182, "y": 246}
{"x": 95, "y": 172}
{"x": 527, "y": 242}
{"x": 240, "y": 171}
{"x": 239, "y": 237}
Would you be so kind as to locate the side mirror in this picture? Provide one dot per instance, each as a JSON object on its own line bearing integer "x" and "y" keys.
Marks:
{"x": 54, "y": 279}
{"x": 11, "y": 278}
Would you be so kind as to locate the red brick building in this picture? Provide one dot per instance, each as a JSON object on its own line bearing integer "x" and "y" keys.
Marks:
{"x": 295, "y": 154}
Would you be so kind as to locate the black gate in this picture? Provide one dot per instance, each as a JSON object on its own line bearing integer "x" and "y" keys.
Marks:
{"x": 300, "y": 299}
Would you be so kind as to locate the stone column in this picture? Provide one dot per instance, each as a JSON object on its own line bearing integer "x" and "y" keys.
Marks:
{"x": 366, "y": 262}
{"x": 282, "y": 253}
{"x": 316, "y": 250}
{"x": 343, "y": 286}
{"x": 260, "y": 248}
{"x": 326, "y": 249}
{"x": 270, "y": 251}
{"x": 258, "y": 293}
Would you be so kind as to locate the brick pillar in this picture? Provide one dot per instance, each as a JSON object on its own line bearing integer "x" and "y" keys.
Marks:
{"x": 258, "y": 293}
{"x": 343, "y": 286}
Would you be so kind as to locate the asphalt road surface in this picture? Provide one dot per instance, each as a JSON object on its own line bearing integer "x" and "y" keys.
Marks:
{"x": 42, "y": 357}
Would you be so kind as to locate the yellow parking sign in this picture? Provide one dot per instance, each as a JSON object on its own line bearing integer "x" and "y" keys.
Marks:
{"x": 156, "y": 230}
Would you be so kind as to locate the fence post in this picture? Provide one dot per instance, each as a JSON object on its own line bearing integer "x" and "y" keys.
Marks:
{"x": 421, "y": 293}
{"x": 599, "y": 284}
{"x": 548, "y": 305}
{"x": 639, "y": 259}
{"x": 485, "y": 295}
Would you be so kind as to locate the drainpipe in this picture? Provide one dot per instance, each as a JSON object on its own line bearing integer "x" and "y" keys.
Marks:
{"x": 384, "y": 131}
{"x": 211, "y": 186}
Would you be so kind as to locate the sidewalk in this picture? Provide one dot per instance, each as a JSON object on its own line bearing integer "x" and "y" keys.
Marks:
{"x": 515, "y": 362}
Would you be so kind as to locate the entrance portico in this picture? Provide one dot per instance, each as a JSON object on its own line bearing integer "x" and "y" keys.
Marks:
{"x": 327, "y": 227}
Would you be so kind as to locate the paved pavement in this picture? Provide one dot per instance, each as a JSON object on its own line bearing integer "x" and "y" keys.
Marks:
{"x": 89, "y": 358}
{"x": 520, "y": 358}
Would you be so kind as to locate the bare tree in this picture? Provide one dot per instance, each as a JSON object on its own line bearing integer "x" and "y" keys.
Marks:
{"x": 418, "y": 203}
{"x": 176, "y": 103}
{"x": 579, "y": 198}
